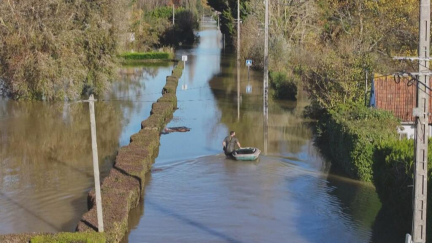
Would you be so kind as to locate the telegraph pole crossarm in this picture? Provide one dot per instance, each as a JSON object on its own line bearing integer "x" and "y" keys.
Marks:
{"x": 413, "y": 58}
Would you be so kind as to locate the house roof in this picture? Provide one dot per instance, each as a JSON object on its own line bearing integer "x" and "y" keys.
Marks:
{"x": 397, "y": 97}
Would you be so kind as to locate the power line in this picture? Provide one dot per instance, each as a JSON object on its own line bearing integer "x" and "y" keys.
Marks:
{"x": 411, "y": 81}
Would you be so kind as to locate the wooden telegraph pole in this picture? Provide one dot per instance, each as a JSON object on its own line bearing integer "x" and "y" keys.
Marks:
{"x": 421, "y": 113}
{"x": 265, "y": 91}
{"x": 96, "y": 165}
{"x": 238, "y": 59}
{"x": 422, "y": 128}
{"x": 238, "y": 32}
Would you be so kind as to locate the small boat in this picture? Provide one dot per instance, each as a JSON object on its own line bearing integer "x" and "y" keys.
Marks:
{"x": 246, "y": 154}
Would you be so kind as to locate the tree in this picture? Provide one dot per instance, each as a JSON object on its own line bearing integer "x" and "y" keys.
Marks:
{"x": 327, "y": 45}
{"x": 57, "y": 49}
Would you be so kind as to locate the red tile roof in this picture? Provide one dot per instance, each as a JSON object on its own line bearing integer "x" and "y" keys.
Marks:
{"x": 399, "y": 98}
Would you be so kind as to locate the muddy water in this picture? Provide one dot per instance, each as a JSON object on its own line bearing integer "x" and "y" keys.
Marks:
{"x": 45, "y": 150}
{"x": 291, "y": 194}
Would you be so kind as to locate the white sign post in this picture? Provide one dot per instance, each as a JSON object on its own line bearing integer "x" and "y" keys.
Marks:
{"x": 184, "y": 59}
{"x": 248, "y": 62}
{"x": 248, "y": 87}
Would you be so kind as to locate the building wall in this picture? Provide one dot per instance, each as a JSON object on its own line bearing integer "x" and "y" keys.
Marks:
{"x": 407, "y": 131}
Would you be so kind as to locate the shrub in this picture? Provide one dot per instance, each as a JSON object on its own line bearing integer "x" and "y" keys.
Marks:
{"x": 284, "y": 88}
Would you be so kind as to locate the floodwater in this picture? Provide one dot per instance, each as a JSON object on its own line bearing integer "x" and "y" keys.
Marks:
{"x": 291, "y": 194}
{"x": 46, "y": 165}
{"x": 194, "y": 194}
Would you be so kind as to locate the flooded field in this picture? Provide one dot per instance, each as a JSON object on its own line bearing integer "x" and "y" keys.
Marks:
{"x": 45, "y": 150}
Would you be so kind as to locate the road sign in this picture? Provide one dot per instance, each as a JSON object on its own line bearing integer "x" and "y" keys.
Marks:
{"x": 249, "y": 89}
{"x": 184, "y": 58}
{"x": 248, "y": 62}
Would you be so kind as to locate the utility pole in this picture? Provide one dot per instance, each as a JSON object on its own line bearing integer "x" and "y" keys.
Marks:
{"x": 366, "y": 87}
{"x": 173, "y": 14}
{"x": 238, "y": 90}
{"x": 238, "y": 59}
{"x": 265, "y": 88}
{"x": 238, "y": 32}
{"x": 422, "y": 128}
{"x": 96, "y": 165}
{"x": 421, "y": 113}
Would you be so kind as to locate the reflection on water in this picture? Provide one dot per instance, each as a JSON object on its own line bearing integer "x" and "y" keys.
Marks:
{"x": 45, "y": 151}
{"x": 195, "y": 194}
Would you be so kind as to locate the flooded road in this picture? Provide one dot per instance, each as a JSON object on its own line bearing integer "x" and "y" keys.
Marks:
{"x": 292, "y": 194}
{"x": 45, "y": 150}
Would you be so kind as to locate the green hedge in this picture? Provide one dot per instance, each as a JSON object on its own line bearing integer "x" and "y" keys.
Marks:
{"x": 349, "y": 134}
{"x": 393, "y": 178}
{"x": 145, "y": 55}
{"x": 364, "y": 143}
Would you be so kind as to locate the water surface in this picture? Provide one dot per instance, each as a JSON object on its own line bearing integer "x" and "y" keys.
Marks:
{"x": 45, "y": 150}
{"x": 291, "y": 194}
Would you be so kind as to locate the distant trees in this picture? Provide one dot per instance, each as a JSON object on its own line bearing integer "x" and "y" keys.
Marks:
{"x": 153, "y": 28}
{"x": 356, "y": 36}
{"x": 183, "y": 31}
{"x": 228, "y": 10}
{"x": 327, "y": 45}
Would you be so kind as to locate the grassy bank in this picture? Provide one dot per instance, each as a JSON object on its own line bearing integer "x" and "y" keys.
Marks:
{"x": 139, "y": 56}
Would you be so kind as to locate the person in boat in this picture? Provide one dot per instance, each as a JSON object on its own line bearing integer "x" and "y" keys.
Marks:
{"x": 229, "y": 144}
{"x": 167, "y": 130}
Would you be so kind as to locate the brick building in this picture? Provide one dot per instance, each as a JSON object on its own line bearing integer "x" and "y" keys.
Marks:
{"x": 399, "y": 97}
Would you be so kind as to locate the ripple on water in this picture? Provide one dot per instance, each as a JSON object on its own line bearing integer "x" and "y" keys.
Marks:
{"x": 214, "y": 199}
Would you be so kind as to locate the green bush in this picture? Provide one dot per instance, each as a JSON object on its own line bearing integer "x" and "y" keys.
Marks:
{"x": 393, "y": 178}
{"x": 163, "y": 12}
{"x": 145, "y": 55}
{"x": 349, "y": 133}
{"x": 284, "y": 88}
